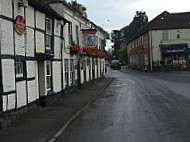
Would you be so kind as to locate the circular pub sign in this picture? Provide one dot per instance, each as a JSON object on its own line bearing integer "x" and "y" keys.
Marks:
{"x": 20, "y": 25}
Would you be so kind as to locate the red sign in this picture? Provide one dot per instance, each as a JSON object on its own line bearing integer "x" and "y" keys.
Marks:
{"x": 89, "y": 48}
{"x": 89, "y": 32}
{"x": 20, "y": 26}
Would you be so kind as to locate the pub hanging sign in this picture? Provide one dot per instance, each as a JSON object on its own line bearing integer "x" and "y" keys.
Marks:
{"x": 20, "y": 25}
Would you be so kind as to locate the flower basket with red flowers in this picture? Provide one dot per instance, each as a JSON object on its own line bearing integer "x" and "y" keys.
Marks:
{"x": 95, "y": 53}
{"x": 74, "y": 49}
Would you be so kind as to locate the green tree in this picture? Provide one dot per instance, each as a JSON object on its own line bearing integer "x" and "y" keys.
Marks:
{"x": 137, "y": 23}
{"x": 122, "y": 55}
{"x": 125, "y": 34}
{"x": 76, "y": 6}
{"x": 109, "y": 54}
{"x": 116, "y": 38}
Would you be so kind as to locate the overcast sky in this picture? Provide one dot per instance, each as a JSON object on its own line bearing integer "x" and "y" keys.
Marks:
{"x": 115, "y": 14}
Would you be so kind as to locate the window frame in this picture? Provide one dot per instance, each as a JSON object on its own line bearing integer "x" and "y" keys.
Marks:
{"x": 70, "y": 35}
{"x": 48, "y": 76}
{"x": 66, "y": 65}
{"x": 165, "y": 35}
{"x": 77, "y": 34}
{"x": 19, "y": 69}
{"x": 72, "y": 71}
{"x": 49, "y": 33}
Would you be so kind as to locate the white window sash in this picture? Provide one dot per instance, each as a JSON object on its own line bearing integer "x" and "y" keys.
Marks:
{"x": 19, "y": 69}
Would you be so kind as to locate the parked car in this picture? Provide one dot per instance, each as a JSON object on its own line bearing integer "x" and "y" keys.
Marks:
{"x": 115, "y": 64}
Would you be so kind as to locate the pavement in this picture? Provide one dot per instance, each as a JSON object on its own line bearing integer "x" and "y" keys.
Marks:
{"x": 46, "y": 124}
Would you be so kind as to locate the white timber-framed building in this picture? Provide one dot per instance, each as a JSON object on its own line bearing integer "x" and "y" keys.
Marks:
{"x": 36, "y": 61}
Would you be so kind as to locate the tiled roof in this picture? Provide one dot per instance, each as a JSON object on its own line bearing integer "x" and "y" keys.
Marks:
{"x": 42, "y": 5}
{"x": 166, "y": 21}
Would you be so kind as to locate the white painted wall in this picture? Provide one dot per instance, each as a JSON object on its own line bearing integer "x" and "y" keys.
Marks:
{"x": 40, "y": 42}
{"x": 30, "y": 65}
{"x": 57, "y": 48}
{"x": 30, "y": 16}
{"x": 11, "y": 102}
{"x": 57, "y": 26}
{"x": 18, "y": 10}
{"x": 32, "y": 91}
{"x": 6, "y": 37}
{"x": 8, "y": 75}
{"x": 56, "y": 76}
{"x": 30, "y": 42}
{"x": 40, "y": 20}
{"x": 8, "y": 80}
{"x": 19, "y": 44}
{"x": 21, "y": 93}
{"x": 27, "y": 92}
{"x": 6, "y": 8}
{"x": 157, "y": 40}
{"x": 32, "y": 85}
{"x": 184, "y": 36}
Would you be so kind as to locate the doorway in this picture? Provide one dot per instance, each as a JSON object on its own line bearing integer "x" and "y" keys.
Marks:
{"x": 42, "y": 86}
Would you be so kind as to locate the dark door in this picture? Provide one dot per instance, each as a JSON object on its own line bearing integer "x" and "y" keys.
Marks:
{"x": 66, "y": 72}
{"x": 84, "y": 69}
{"x": 1, "y": 90}
{"x": 89, "y": 70}
{"x": 62, "y": 45}
{"x": 93, "y": 69}
{"x": 42, "y": 87}
{"x": 78, "y": 75}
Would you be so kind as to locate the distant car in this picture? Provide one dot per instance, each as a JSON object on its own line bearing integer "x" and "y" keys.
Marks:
{"x": 115, "y": 64}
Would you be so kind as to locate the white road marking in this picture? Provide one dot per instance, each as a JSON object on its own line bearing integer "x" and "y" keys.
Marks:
{"x": 118, "y": 85}
{"x": 133, "y": 82}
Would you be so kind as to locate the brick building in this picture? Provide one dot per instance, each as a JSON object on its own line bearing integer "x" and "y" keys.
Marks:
{"x": 162, "y": 44}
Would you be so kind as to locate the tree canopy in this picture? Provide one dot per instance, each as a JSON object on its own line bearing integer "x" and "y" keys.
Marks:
{"x": 118, "y": 36}
{"x": 125, "y": 34}
{"x": 77, "y": 5}
{"x": 137, "y": 23}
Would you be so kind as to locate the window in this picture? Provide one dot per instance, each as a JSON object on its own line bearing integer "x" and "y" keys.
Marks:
{"x": 19, "y": 69}
{"x": 66, "y": 72}
{"x": 136, "y": 42}
{"x": 69, "y": 33}
{"x": 88, "y": 62}
{"x": 165, "y": 35}
{"x": 84, "y": 65}
{"x": 71, "y": 71}
{"x": 141, "y": 40}
{"x": 100, "y": 43}
{"x": 77, "y": 34}
{"x": 49, "y": 31}
{"x": 48, "y": 75}
{"x": 178, "y": 35}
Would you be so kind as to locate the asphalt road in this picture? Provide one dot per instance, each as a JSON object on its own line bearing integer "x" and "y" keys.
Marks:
{"x": 137, "y": 107}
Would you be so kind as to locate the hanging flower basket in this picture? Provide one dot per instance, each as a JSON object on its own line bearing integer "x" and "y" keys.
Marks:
{"x": 74, "y": 49}
{"x": 95, "y": 53}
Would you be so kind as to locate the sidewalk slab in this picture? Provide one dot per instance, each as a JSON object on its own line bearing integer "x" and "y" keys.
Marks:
{"x": 40, "y": 125}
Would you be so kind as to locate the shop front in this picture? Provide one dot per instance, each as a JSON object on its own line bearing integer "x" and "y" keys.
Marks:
{"x": 175, "y": 57}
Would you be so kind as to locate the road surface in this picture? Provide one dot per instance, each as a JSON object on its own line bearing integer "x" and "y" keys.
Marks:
{"x": 137, "y": 107}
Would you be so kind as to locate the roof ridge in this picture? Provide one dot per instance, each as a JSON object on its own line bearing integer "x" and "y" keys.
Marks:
{"x": 177, "y": 13}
